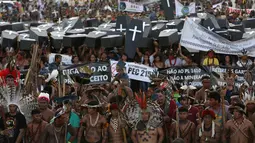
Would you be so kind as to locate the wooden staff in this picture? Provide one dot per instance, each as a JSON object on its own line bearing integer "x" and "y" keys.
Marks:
{"x": 223, "y": 106}
{"x": 64, "y": 88}
{"x": 177, "y": 122}
{"x": 124, "y": 135}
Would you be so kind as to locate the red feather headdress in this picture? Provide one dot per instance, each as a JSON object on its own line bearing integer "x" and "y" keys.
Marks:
{"x": 208, "y": 112}
{"x": 141, "y": 100}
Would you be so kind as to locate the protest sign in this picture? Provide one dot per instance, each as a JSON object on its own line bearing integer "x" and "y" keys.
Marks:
{"x": 135, "y": 71}
{"x": 197, "y": 37}
{"x": 182, "y": 10}
{"x": 101, "y": 72}
{"x": 186, "y": 75}
{"x": 130, "y": 7}
{"x": 65, "y": 58}
{"x": 193, "y": 74}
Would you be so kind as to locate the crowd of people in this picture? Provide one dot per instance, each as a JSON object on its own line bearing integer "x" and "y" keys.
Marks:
{"x": 44, "y": 109}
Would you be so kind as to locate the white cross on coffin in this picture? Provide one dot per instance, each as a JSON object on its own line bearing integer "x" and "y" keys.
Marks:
{"x": 99, "y": 32}
{"x": 78, "y": 29}
{"x": 39, "y": 29}
{"x": 169, "y": 30}
{"x": 106, "y": 25}
{"x": 25, "y": 36}
{"x": 168, "y": 3}
{"x": 10, "y": 32}
{"x": 209, "y": 28}
{"x": 134, "y": 32}
{"x": 251, "y": 32}
{"x": 155, "y": 28}
{"x": 144, "y": 25}
{"x": 69, "y": 26}
{"x": 172, "y": 23}
{"x": 121, "y": 28}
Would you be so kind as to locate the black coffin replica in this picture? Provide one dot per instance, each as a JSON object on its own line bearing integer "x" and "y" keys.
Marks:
{"x": 168, "y": 37}
{"x": 74, "y": 40}
{"x": 93, "y": 39}
{"x": 249, "y": 33}
{"x": 92, "y": 22}
{"x": 146, "y": 27}
{"x": 5, "y": 26}
{"x": 133, "y": 35}
{"x": 48, "y": 27}
{"x": 89, "y": 29}
{"x": 168, "y": 7}
{"x": 145, "y": 43}
{"x": 235, "y": 34}
{"x": 122, "y": 23}
{"x": 57, "y": 39}
{"x": 18, "y": 26}
{"x": 105, "y": 27}
{"x": 223, "y": 23}
{"x": 157, "y": 29}
{"x": 111, "y": 41}
{"x": 41, "y": 36}
{"x": 249, "y": 23}
{"x": 211, "y": 23}
{"x": 26, "y": 43}
{"x": 223, "y": 33}
{"x": 75, "y": 31}
{"x": 175, "y": 24}
{"x": 72, "y": 23}
{"x": 238, "y": 27}
{"x": 9, "y": 39}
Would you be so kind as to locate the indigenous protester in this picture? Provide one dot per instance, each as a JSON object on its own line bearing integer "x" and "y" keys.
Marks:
{"x": 117, "y": 127}
{"x": 36, "y": 127}
{"x": 239, "y": 129}
{"x": 183, "y": 128}
{"x": 43, "y": 103}
{"x": 146, "y": 130}
{"x": 217, "y": 107}
{"x": 208, "y": 131}
{"x": 92, "y": 131}
{"x": 56, "y": 131}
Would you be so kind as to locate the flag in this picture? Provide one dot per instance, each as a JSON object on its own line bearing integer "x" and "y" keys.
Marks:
{"x": 182, "y": 10}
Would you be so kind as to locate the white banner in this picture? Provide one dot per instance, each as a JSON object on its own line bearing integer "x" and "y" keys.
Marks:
{"x": 65, "y": 58}
{"x": 130, "y": 7}
{"x": 197, "y": 37}
{"x": 135, "y": 71}
{"x": 182, "y": 10}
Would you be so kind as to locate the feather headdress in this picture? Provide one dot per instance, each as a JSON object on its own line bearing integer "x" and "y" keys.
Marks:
{"x": 14, "y": 95}
{"x": 136, "y": 106}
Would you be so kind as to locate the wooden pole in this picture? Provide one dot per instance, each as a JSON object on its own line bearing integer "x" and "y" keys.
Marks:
{"x": 177, "y": 122}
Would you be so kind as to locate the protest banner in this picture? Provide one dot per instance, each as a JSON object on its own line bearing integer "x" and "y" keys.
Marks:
{"x": 135, "y": 71}
{"x": 65, "y": 58}
{"x": 197, "y": 37}
{"x": 193, "y": 74}
{"x": 101, "y": 72}
{"x": 186, "y": 75}
{"x": 182, "y": 10}
{"x": 130, "y": 7}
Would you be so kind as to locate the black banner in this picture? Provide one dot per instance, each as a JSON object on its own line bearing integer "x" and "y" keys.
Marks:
{"x": 194, "y": 74}
{"x": 101, "y": 72}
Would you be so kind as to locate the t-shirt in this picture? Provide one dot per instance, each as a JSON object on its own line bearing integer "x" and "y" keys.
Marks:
{"x": 75, "y": 122}
{"x": 211, "y": 61}
{"x": 16, "y": 123}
